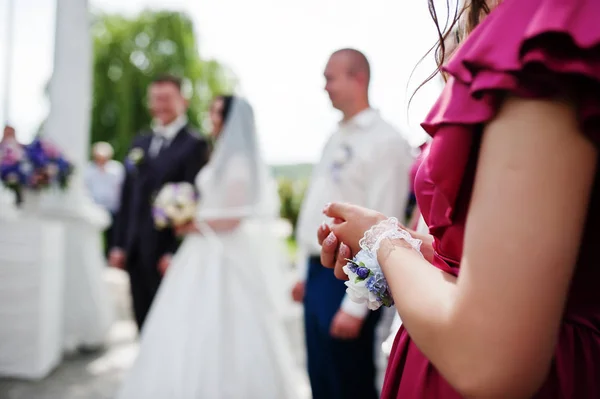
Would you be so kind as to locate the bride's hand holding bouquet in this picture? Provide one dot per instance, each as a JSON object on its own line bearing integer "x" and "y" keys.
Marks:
{"x": 175, "y": 207}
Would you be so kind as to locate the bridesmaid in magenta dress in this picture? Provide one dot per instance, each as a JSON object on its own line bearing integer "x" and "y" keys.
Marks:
{"x": 508, "y": 306}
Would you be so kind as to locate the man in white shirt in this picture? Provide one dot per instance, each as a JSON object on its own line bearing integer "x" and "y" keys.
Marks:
{"x": 365, "y": 162}
{"x": 103, "y": 179}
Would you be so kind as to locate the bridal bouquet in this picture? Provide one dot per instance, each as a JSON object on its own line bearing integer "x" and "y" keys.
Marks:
{"x": 37, "y": 165}
{"x": 174, "y": 205}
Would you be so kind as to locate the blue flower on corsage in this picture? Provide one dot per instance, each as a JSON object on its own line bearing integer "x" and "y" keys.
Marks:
{"x": 367, "y": 283}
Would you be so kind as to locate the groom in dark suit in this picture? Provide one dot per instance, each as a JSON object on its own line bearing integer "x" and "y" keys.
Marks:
{"x": 171, "y": 152}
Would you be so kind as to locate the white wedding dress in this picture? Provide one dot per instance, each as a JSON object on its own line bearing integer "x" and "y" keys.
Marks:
{"x": 216, "y": 328}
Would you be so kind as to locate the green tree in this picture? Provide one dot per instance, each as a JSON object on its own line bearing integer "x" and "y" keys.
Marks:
{"x": 129, "y": 53}
{"x": 291, "y": 194}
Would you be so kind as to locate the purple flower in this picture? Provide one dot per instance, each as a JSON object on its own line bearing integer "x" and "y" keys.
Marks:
{"x": 158, "y": 212}
{"x": 362, "y": 272}
{"x": 50, "y": 149}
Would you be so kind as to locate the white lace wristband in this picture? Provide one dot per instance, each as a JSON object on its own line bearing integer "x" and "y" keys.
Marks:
{"x": 366, "y": 283}
{"x": 387, "y": 229}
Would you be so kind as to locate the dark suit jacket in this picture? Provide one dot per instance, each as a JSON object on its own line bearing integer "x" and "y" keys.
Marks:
{"x": 134, "y": 229}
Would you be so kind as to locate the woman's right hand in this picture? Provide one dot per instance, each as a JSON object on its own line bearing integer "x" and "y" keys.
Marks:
{"x": 186, "y": 228}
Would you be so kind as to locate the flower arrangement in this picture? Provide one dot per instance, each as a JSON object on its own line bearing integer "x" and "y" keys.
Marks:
{"x": 366, "y": 282}
{"x": 174, "y": 205}
{"x": 342, "y": 156}
{"x": 134, "y": 158}
{"x": 35, "y": 166}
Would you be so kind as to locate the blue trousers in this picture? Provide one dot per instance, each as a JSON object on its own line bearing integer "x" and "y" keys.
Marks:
{"x": 337, "y": 368}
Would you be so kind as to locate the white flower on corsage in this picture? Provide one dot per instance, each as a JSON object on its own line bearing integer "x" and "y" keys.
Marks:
{"x": 174, "y": 205}
{"x": 366, "y": 280}
{"x": 366, "y": 283}
{"x": 136, "y": 155}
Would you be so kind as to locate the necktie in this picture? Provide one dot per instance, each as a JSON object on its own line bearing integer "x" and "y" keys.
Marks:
{"x": 157, "y": 145}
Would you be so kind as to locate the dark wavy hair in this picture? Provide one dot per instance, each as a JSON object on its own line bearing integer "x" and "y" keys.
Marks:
{"x": 460, "y": 22}
{"x": 227, "y": 101}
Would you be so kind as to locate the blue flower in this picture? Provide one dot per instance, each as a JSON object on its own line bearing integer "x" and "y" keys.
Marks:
{"x": 362, "y": 272}
{"x": 377, "y": 284}
{"x": 36, "y": 155}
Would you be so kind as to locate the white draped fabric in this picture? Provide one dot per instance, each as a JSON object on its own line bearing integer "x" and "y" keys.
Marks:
{"x": 49, "y": 301}
{"x": 216, "y": 329}
{"x": 8, "y": 208}
{"x": 88, "y": 308}
{"x": 31, "y": 300}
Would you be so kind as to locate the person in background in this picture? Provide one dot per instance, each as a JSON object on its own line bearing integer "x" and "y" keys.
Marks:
{"x": 171, "y": 152}
{"x": 365, "y": 161}
{"x": 216, "y": 329}
{"x": 103, "y": 179}
{"x": 9, "y": 142}
{"x": 8, "y": 135}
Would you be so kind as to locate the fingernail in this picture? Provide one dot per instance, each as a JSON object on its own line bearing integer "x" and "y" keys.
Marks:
{"x": 323, "y": 226}
{"x": 326, "y": 207}
{"x": 344, "y": 250}
{"x": 330, "y": 239}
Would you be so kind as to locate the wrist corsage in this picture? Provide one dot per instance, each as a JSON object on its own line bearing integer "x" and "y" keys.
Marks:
{"x": 366, "y": 283}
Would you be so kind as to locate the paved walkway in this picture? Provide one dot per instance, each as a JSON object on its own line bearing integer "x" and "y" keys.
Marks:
{"x": 97, "y": 376}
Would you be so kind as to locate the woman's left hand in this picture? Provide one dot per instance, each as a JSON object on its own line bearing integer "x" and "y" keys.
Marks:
{"x": 351, "y": 222}
{"x": 333, "y": 252}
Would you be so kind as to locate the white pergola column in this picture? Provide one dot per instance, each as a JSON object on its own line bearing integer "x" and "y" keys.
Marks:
{"x": 71, "y": 85}
{"x": 8, "y": 59}
{"x": 7, "y": 197}
{"x": 88, "y": 309}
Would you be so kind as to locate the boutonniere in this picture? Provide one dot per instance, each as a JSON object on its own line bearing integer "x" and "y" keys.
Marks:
{"x": 135, "y": 157}
{"x": 342, "y": 156}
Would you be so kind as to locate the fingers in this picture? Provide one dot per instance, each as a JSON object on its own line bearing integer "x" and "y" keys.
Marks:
{"x": 336, "y": 330}
{"x": 343, "y": 254}
{"x": 340, "y": 330}
{"x": 323, "y": 232}
{"x": 328, "y": 251}
{"x": 338, "y": 210}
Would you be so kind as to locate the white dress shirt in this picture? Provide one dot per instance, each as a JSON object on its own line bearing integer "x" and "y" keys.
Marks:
{"x": 104, "y": 184}
{"x": 365, "y": 162}
{"x": 164, "y": 134}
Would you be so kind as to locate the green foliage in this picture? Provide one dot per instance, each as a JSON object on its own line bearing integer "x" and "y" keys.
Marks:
{"x": 300, "y": 171}
{"x": 291, "y": 194}
{"x": 292, "y": 248}
{"x": 128, "y": 54}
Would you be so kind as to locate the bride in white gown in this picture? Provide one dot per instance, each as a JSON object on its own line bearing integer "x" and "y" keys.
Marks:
{"x": 216, "y": 329}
